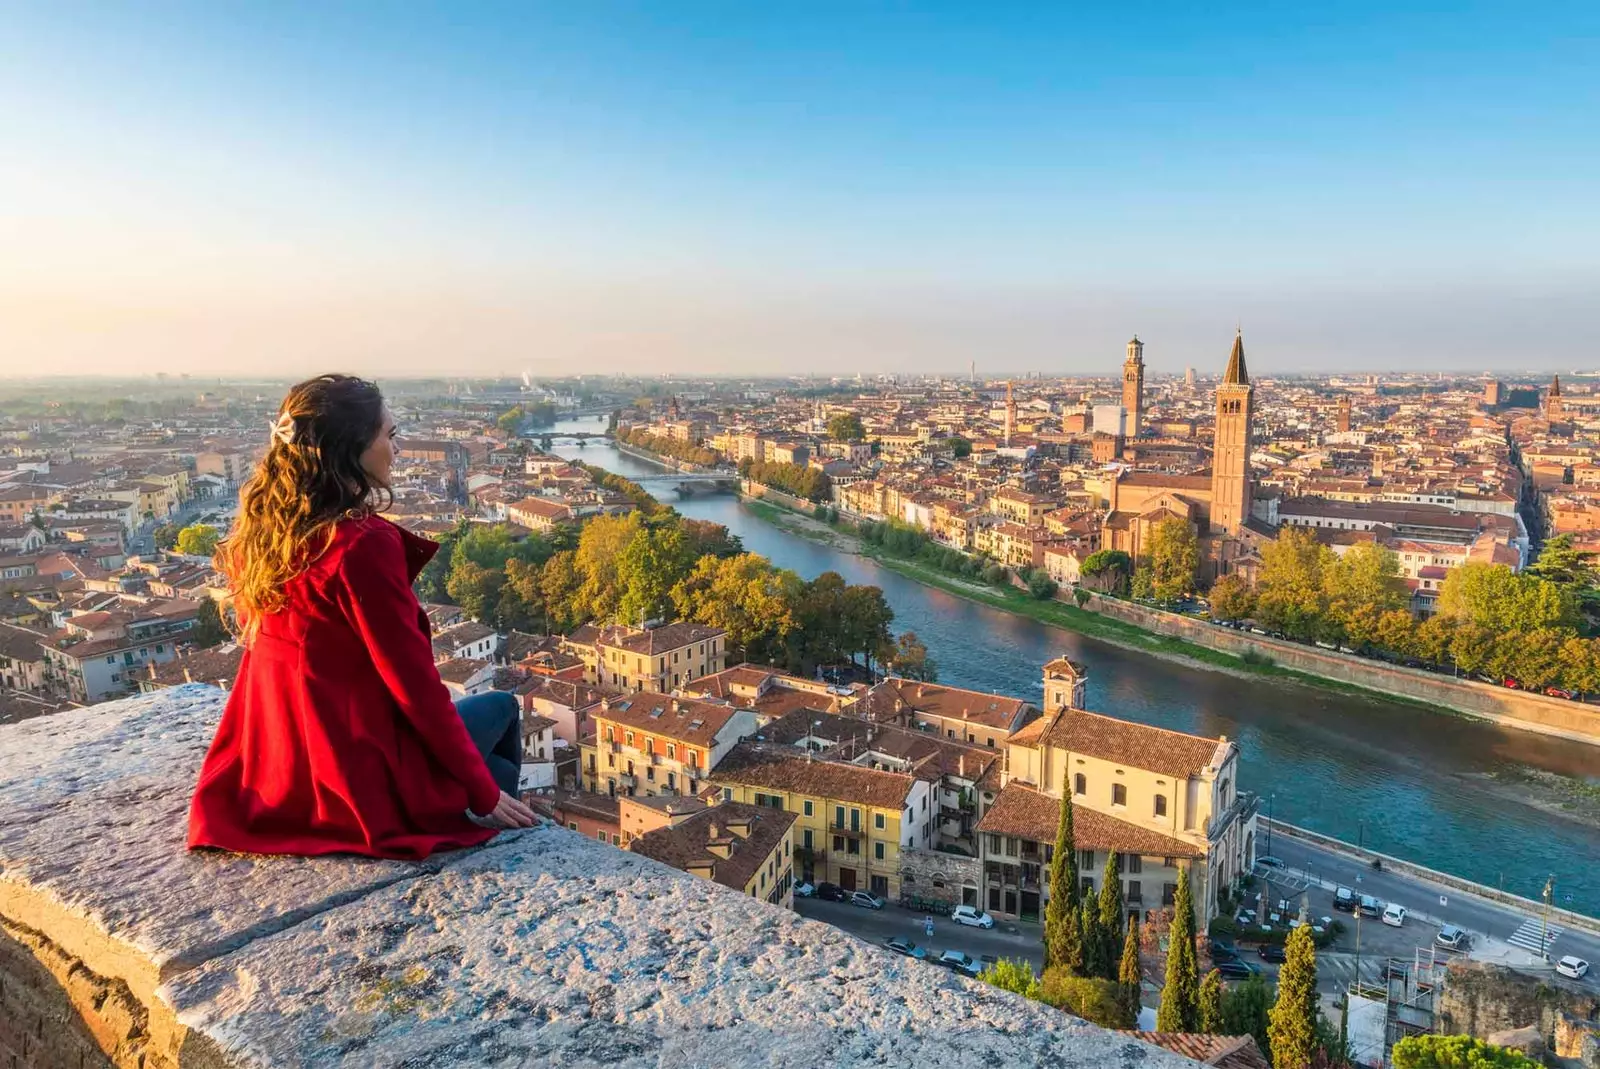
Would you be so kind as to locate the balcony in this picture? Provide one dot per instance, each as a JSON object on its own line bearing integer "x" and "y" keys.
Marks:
{"x": 117, "y": 939}
{"x": 847, "y": 831}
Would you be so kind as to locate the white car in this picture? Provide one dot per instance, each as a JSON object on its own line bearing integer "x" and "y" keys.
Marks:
{"x": 804, "y": 890}
{"x": 1576, "y": 968}
{"x": 1394, "y": 915}
{"x": 972, "y": 916}
{"x": 866, "y": 900}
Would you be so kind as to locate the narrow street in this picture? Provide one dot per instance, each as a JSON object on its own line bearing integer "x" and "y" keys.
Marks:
{"x": 877, "y": 925}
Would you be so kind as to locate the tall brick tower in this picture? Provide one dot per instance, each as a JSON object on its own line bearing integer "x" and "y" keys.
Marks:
{"x": 1553, "y": 409}
{"x": 1230, "y": 450}
{"x": 1011, "y": 413}
{"x": 1344, "y": 413}
{"x": 1133, "y": 387}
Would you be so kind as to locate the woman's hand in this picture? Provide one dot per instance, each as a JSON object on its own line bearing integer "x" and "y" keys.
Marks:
{"x": 510, "y": 813}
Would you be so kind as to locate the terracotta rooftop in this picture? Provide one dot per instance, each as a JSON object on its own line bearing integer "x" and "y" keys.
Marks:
{"x": 781, "y": 768}
{"x": 1125, "y": 742}
{"x": 1024, "y": 812}
{"x": 1225, "y": 1052}
{"x": 748, "y": 833}
{"x": 894, "y": 697}
{"x": 681, "y": 719}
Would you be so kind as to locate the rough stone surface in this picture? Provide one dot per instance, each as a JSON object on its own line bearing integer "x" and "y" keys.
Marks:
{"x": 542, "y": 948}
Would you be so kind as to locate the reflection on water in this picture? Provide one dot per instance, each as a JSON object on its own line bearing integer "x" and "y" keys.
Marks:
{"x": 1402, "y": 781}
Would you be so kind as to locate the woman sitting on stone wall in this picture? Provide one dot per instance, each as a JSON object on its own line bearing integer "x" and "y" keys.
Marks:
{"x": 339, "y": 735}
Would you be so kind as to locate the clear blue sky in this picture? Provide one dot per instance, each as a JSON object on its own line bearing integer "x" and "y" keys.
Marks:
{"x": 601, "y": 186}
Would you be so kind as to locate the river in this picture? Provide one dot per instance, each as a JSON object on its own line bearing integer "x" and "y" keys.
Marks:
{"x": 1400, "y": 780}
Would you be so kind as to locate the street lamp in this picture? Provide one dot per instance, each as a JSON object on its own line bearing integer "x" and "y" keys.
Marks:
{"x": 1544, "y": 923}
{"x": 1270, "y": 799}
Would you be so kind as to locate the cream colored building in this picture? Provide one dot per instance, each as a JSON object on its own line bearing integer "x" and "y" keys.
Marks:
{"x": 655, "y": 745}
{"x": 659, "y": 659}
{"x": 745, "y": 848}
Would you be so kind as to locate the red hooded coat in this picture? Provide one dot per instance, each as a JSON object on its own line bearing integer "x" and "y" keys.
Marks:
{"x": 339, "y": 735}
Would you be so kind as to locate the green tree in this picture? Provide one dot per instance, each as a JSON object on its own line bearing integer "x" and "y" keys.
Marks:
{"x": 1495, "y": 597}
{"x": 209, "y": 628}
{"x": 650, "y": 565}
{"x": 1397, "y": 631}
{"x": 1365, "y": 577}
{"x": 1211, "y": 1003}
{"x": 1180, "y": 994}
{"x": 166, "y": 536}
{"x": 1292, "y": 1030}
{"x": 1562, "y": 563}
{"x": 522, "y": 604}
{"x": 1289, "y": 589}
{"x": 1110, "y": 914}
{"x": 1232, "y": 599}
{"x": 846, "y": 427}
{"x": 511, "y": 419}
{"x": 197, "y": 540}
{"x": 560, "y": 585}
{"x": 1455, "y": 1052}
{"x": 1580, "y": 666}
{"x": 1014, "y": 976}
{"x": 1129, "y": 974}
{"x": 1040, "y": 585}
{"x": 1063, "y": 943}
{"x": 960, "y": 448}
{"x": 1471, "y": 645}
{"x": 909, "y": 659}
{"x": 1174, "y": 555}
{"x": 1108, "y": 571}
{"x": 1245, "y": 1010}
{"x": 431, "y": 583}
{"x": 1095, "y": 999}
{"x": 600, "y": 548}
{"x": 747, "y": 597}
{"x": 1096, "y": 962}
{"x": 1433, "y": 639}
{"x": 864, "y": 626}
{"x": 476, "y": 589}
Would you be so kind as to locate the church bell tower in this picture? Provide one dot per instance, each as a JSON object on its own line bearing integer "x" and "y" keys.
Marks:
{"x": 1230, "y": 451}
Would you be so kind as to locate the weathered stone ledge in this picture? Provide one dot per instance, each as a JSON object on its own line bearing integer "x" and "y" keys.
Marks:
{"x": 543, "y": 947}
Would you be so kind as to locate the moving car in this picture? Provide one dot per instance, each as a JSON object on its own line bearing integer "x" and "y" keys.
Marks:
{"x": 805, "y": 890}
{"x": 906, "y": 947}
{"x": 1344, "y": 900}
{"x": 972, "y": 917}
{"x": 1576, "y": 968}
{"x": 1271, "y": 952}
{"x": 866, "y": 900}
{"x": 1452, "y": 938}
{"x": 956, "y": 961}
{"x": 831, "y": 893}
{"x": 1270, "y": 861}
{"x": 1234, "y": 969}
{"x": 1394, "y": 915}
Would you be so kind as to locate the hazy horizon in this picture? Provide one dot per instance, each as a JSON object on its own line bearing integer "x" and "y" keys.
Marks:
{"x": 416, "y": 191}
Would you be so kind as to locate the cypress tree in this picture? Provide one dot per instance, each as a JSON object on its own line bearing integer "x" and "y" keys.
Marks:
{"x": 1180, "y": 993}
{"x": 1128, "y": 973}
{"x": 1111, "y": 915}
{"x": 1094, "y": 943}
{"x": 1292, "y": 1022}
{"x": 1211, "y": 1003}
{"x": 1063, "y": 942}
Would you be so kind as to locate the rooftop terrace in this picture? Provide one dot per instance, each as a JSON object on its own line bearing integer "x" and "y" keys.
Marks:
{"x": 543, "y": 947}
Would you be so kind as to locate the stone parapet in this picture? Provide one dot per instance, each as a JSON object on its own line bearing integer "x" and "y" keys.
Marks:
{"x": 118, "y": 947}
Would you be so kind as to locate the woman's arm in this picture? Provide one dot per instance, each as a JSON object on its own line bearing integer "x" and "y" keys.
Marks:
{"x": 383, "y": 609}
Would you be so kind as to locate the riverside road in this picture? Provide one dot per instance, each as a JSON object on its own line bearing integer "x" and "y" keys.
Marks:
{"x": 1402, "y": 780}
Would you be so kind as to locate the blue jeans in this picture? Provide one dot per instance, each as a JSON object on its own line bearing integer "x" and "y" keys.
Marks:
{"x": 494, "y": 720}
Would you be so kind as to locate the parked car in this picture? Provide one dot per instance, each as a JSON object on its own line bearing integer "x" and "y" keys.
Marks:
{"x": 1234, "y": 969}
{"x": 1270, "y": 861}
{"x": 805, "y": 890}
{"x": 1452, "y": 938}
{"x": 956, "y": 961}
{"x": 1369, "y": 906}
{"x": 1221, "y": 949}
{"x": 1344, "y": 900}
{"x": 831, "y": 893}
{"x": 1576, "y": 968}
{"x": 906, "y": 947}
{"x": 1271, "y": 952}
{"x": 972, "y": 916}
{"x": 1394, "y": 915}
{"x": 866, "y": 900}
{"x": 1512, "y": 683}
{"x": 1557, "y": 692}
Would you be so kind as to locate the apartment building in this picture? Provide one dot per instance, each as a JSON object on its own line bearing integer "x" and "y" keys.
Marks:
{"x": 1159, "y": 800}
{"x": 969, "y": 716}
{"x": 651, "y": 744}
{"x": 851, "y": 821}
{"x": 657, "y": 658}
{"x": 1019, "y": 506}
{"x": 745, "y": 848}
{"x": 538, "y": 513}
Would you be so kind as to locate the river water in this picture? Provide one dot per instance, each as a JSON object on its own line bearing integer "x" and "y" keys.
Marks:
{"x": 1400, "y": 780}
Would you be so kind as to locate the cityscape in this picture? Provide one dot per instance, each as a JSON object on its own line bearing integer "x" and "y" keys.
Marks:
{"x": 972, "y": 569}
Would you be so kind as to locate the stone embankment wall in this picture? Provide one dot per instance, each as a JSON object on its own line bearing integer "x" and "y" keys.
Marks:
{"x": 656, "y": 458}
{"x": 761, "y": 491}
{"x": 1513, "y": 708}
{"x": 1481, "y": 999}
{"x": 120, "y": 948}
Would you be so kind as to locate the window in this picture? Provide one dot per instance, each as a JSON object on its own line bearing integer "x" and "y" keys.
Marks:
{"x": 1161, "y": 805}
{"x": 855, "y": 820}
{"x": 838, "y": 816}
{"x": 727, "y": 794}
{"x": 879, "y": 822}
{"x": 1119, "y": 794}
{"x": 1011, "y": 846}
{"x": 808, "y": 810}
{"x": 628, "y": 738}
{"x": 1169, "y": 893}
{"x": 1169, "y": 862}
{"x": 805, "y": 838}
{"x": 877, "y": 851}
{"x": 600, "y": 835}
{"x": 994, "y": 844}
{"x": 1086, "y": 859}
{"x": 1080, "y": 785}
{"x": 991, "y": 742}
{"x": 572, "y": 825}
{"x": 1135, "y": 863}
{"x": 838, "y": 843}
{"x": 672, "y": 751}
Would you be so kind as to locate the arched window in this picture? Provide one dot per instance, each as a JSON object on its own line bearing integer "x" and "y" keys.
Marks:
{"x": 1079, "y": 784}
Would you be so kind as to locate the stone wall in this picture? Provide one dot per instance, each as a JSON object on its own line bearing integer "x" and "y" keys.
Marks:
{"x": 118, "y": 947}
{"x": 1512, "y": 708}
{"x": 921, "y": 870}
{"x": 751, "y": 488}
{"x": 1481, "y": 999}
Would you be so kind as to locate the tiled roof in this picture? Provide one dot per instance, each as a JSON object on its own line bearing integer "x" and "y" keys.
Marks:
{"x": 658, "y": 640}
{"x": 1126, "y": 742}
{"x": 894, "y": 696}
{"x": 1225, "y": 1052}
{"x": 781, "y": 768}
{"x": 680, "y": 719}
{"x": 1028, "y": 814}
{"x": 749, "y": 833}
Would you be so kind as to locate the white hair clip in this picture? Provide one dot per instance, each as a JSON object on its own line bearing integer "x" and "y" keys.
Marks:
{"x": 283, "y": 430}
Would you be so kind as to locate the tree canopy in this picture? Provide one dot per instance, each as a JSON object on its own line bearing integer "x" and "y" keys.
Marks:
{"x": 197, "y": 540}
{"x": 1455, "y": 1052}
{"x": 846, "y": 427}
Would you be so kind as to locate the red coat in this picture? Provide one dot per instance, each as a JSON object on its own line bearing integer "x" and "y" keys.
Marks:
{"x": 339, "y": 735}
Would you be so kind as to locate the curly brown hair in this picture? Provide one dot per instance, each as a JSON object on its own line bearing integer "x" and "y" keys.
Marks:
{"x": 310, "y": 478}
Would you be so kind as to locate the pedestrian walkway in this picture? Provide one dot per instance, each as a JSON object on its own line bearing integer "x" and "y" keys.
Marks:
{"x": 1340, "y": 968}
{"x": 1528, "y": 936}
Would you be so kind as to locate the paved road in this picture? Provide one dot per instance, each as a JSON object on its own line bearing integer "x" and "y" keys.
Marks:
{"x": 1500, "y": 932}
{"x": 877, "y": 925}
